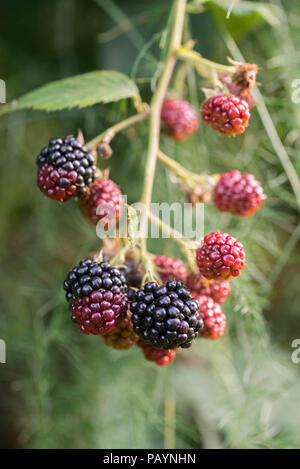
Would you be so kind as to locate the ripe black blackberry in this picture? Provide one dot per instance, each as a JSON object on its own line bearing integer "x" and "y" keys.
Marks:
{"x": 165, "y": 316}
{"x": 65, "y": 169}
{"x": 97, "y": 295}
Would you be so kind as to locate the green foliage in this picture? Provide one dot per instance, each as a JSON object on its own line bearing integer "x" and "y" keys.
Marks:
{"x": 239, "y": 17}
{"x": 80, "y": 91}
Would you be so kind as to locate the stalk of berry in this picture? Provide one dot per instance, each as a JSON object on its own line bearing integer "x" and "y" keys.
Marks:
{"x": 220, "y": 256}
{"x": 96, "y": 292}
{"x": 159, "y": 356}
{"x": 65, "y": 169}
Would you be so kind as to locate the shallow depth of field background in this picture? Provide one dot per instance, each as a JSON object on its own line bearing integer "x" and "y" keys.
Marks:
{"x": 62, "y": 389}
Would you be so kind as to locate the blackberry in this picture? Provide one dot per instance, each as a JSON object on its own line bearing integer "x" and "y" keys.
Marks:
{"x": 228, "y": 115}
{"x": 213, "y": 317}
{"x": 123, "y": 336}
{"x": 97, "y": 296}
{"x": 165, "y": 316}
{"x": 65, "y": 169}
{"x": 102, "y": 200}
{"x": 180, "y": 117}
{"x": 239, "y": 194}
{"x": 218, "y": 290}
{"x": 220, "y": 256}
{"x": 170, "y": 268}
{"x": 157, "y": 355}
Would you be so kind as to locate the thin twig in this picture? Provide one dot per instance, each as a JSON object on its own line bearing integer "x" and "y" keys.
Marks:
{"x": 155, "y": 107}
{"x": 114, "y": 129}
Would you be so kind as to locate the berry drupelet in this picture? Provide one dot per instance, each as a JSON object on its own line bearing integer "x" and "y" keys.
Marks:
{"x": 220, "y": 256}
{"x": 123, "y": 336}
{"x": 213, "y": 317}
{"x": 102, "y": 200}
{"x": 218, "y": 290}
{"x": 170, "y": 268}
{"x": 165, "y": 316}
{"x": 239, "y": 194}
{"x": 228, "y": 115}
{"x": 157, "y": 355}
{"x": 97, "y": 296}
{"x": 180, "y": 117}
{"x": 65, "y": 169}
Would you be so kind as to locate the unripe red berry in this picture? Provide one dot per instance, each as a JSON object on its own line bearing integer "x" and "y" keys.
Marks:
{"x": 239, "y": 194}
{"x": 218, "y": 290}
{"x": 103, "y": 200}
{"x": 123, "y": 336}
{"x": 220, "y": 256}
{"x": 159, "y": 356}
{"x": 228, "y": 115}
{"x": 180, "y": 117}
{"x": 170, "y": 268}
{"x": 212, "y": 316}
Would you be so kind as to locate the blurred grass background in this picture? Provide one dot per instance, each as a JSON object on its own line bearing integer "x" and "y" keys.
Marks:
{"x": 62, "y": 389}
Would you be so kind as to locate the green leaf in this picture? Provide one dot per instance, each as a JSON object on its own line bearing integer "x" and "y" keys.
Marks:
{"x": 80, "y": 91}
{"x": 243, "y": 17}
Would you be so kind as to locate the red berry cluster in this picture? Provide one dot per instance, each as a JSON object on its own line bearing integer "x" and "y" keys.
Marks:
{"x": 102, "y": 201}
{"x": 159, "y": 356}
{"x": 213, "y": 317}
{"x": 170, "y": 268}
{"x": 239, "y": 194}
{"x": 180, "y": 117}
{"x": 220, "y": 256}
{"x": 228, "y": 115}
{"x": 218, "y": 290}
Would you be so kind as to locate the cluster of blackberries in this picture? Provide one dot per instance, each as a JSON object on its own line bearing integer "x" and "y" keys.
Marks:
{"x": 161, "y": 318}
{"x": 66, "y": 169}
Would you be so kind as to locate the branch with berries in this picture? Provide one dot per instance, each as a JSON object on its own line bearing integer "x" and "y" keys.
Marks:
{"x": 124, "y": 293}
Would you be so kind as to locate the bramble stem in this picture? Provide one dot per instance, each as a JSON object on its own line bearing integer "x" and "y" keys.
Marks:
{"x": 191, "y": 179}
{"x": 114, "y": 129}
{"x": 177, "y": 237}
{"x": 178, "y": 169}
{"x": 197, "y": 59}
{"x": 155, "y": 110}
{"x": 174, "y": 234}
